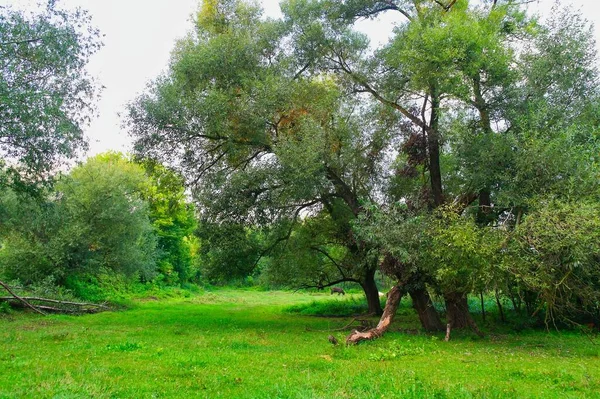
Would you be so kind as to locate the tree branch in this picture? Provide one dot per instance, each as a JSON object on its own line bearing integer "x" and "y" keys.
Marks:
{"x": 335, "y": 263}
{"x": 287, "y": 235}
{"x": 24, "y": 301}
{"x": 25, "y": 41}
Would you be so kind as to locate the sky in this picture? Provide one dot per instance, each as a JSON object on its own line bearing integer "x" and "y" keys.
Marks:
{"x": 140, "y": 34}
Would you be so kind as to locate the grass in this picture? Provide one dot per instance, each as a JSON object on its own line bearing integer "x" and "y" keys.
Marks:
{"x": 250, "y": 344}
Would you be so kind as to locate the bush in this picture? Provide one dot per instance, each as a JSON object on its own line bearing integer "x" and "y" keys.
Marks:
{"x": 556, "y": 254}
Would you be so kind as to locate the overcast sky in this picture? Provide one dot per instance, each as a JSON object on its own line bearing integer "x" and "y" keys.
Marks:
{"x": 139, "y": 36}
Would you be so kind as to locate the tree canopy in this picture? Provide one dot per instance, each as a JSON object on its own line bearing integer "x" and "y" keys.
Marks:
{"x": 46, "y": 95}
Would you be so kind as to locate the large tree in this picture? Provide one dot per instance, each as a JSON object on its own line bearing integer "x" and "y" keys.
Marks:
{"x": 260, "y": 143}
{"x": 480, "y": 86}
{"x": 46, "y": 95}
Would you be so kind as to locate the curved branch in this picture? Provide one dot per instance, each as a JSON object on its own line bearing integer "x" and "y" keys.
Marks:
{"x": 287, "y": 236}
{"x": 335, "y": 263}
{"x": 329, "y": 284}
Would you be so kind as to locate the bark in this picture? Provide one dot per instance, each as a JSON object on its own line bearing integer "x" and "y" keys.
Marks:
{"x": 482, "y": 306}
{"x": 433, "y": 147}
{"x": 500, "y": 309}
{"x": 429, "y": 317}
{"x": 393, "y": 300}
{"x": 485, "y": 207}
{"x": 448, "y": 330}
{"x": 372, "y": 293}
{"x": 37, "y": 299}
{"x": 457, "y": 312}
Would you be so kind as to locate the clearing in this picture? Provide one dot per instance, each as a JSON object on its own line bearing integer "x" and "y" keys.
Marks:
{"x": 245, "y": 344}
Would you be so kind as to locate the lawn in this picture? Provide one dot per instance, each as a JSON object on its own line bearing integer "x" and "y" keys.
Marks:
{"x": 247, "y": 344}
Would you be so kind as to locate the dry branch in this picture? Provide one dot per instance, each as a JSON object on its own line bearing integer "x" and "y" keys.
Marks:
{"x": 23, "y": 301}
{"x": 80, "y": 304}
{"x": 50, "y": 305}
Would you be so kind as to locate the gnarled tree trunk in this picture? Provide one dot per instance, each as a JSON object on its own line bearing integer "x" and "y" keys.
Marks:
{"x": 386, "y": 320}
{"x": 457, "y": 312}
{"x": 429, "y": 317}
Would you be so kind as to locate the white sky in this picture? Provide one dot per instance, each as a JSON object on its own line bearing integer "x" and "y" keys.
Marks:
{"x": 139, "y": 36}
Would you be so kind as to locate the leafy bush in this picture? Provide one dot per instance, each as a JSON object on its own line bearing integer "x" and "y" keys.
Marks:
{"x": 4, "y": 308}
{"x": 94, "y": 221}
{"x": 556, "y": 254}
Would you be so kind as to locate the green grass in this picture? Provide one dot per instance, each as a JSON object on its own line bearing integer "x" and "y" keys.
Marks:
{"x": 247, "y": 344}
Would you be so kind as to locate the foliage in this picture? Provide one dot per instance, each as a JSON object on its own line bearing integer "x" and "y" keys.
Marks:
{"x": 424, "y": 154}
{"x": 228, "y": 251}
{"x": 556, "y": 253}
{"x": 262, "y": 145}
{"x": 314, "y": 255}
{"x": 95, "y": 221}
{"x": 174, "y": 221}
{"x": 107, "y": 223}
{"x": 46, "y": 94}
{"x": 462, "y": 255}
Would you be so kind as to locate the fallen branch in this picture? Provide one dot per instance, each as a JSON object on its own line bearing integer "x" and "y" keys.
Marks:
{"x": 23, "y": 301}
{"x": 80, "y": 304}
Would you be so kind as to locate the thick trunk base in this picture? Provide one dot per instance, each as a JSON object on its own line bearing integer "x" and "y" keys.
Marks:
{"x": 457, "y": 312}
{"x": 372, "y": 293}
{"x": 386, "y": 320}
{"x": 429, "y": 317}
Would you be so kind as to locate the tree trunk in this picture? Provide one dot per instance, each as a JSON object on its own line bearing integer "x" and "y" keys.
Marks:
{"x": 457, "y": 312}
{"x": 499, "y": 306}
{"x": 430, "y": 320}
{"x": 482, "y": 306}
{"x": 485, "y": 207}
{"x": 433, "y": 147}
{"x": 393, "y": 300}
{"x": 372, "y": 293}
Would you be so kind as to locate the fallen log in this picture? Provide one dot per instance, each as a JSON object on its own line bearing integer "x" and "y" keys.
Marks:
{"x": 42, "y": 305}
{"x": 48, "y": 300}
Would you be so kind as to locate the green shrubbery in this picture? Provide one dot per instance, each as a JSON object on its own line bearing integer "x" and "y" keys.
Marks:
{"x": 332, "y": 308}
{"x": 108, "y": 224}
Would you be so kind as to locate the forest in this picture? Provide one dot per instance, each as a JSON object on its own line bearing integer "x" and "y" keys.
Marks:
{"x": 447, "y": 181}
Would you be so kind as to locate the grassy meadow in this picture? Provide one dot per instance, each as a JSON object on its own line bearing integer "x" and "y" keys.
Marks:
{"x": 252, "y": 344}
